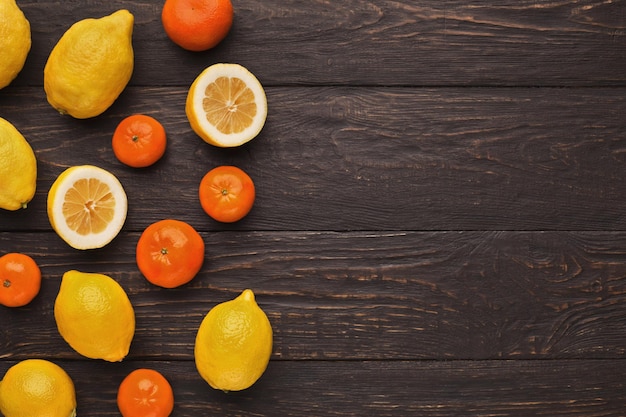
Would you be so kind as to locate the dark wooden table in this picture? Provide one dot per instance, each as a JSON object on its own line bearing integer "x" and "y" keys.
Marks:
{"x": 439, "y": 227}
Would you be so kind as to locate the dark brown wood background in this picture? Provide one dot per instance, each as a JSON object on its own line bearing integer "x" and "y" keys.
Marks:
{"x": 439, "y": 227}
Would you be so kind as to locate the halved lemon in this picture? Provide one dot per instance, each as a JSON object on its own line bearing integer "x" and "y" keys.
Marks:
{"x": 87, "y": 206}
{"x": 226, "y": 105}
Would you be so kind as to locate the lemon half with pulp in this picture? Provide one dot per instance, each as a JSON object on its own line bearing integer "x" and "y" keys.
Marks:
{"x": 226, "y": 105}
{"x": 87, "y": 206}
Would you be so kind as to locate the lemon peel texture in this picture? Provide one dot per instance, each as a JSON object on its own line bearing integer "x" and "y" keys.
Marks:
{"x": 234, "y": 344}
{"x": 18, "y": 168}
{"x": 37, "y": 388}
{"x": 90, "y": 65}
{"x": 15, "y": 41}
{"x": 94, "y": 316}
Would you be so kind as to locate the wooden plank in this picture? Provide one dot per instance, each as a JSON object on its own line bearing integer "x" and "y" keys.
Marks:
{"x": 430, "y": 237}
{"x": 362, "y": 295}
{"x": 355, "y": 388}
{"x": 433, "y": 42}
{"x": 337, "y": 158}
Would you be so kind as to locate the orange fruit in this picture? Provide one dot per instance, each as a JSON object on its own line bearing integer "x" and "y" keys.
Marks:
{"x": 139, "y": 141}
{"x": 226, "y": 193}
{"x": 87, "y": 206}
{"x": 226, "y": 105}
{"x": 197, "y": 25}
{"x": 170, "y": 253}
{"x": 20, "y": 279}
{"x": 145, "y": 393}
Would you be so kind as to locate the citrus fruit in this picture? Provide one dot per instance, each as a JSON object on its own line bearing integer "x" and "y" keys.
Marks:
{"x": 226, "y": 105}
{"x": 18, "y": 168}
{"x": 20, "y": 279}
{"x": 15, "y": 41}
{"x": 90, "y": 65}
{"x": 145, "y": 393}
{"x": 234, "y": 344}
{"x": 37, "y": 388}
{"x": 87, "y": 206}
{"x": 139, "y": 141}
{"x": 197, "y": 25}
{"x": 226, "y": 193}
{"x": 94, "y": 316}
{"x": 170, "y": 253}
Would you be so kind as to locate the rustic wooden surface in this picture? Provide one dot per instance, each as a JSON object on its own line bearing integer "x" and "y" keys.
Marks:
{"x": 439, "y": 227}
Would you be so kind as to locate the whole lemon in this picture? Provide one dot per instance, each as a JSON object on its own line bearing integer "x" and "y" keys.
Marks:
{"x": 18, "y": 168}
{"x": 234, "y": 344}
{"x": 15, "y": 41}
{"x": 94, "y": 316}
{"x": 37, "y": 388}
{"x": 90, "y": 65}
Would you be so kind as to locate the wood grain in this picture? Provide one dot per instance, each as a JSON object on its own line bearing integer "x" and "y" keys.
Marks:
{"x": 439, "y": 225}
{"x": 365, "y": 388}
{"x": 513, "y": 42}
{"x": 364, "y": 295}
{"x": 366, "y": 159}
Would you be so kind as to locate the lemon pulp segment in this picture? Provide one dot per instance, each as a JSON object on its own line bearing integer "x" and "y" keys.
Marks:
{"x": 229, "y": 105}
{"x": 89, "y": 206}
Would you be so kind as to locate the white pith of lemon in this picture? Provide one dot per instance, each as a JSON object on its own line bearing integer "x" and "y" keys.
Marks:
{"x": 87, "y": 206}
{"x": 226, "y": 105}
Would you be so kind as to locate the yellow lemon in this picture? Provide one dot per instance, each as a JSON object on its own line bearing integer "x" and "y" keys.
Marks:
{"x": 226, "y": 105}
{"x": 90, "y": 65}
{"x": 18, "y": 168}
{"x": 37, "y": 388}
{"x": 15, "y": 41}
{"x": 87, "y": 206}
{"x": 94, "y": 316}
{"x": 234, "y": 344}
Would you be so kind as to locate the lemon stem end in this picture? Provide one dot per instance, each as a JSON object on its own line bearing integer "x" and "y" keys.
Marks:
{"x": 247, "y": 295}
